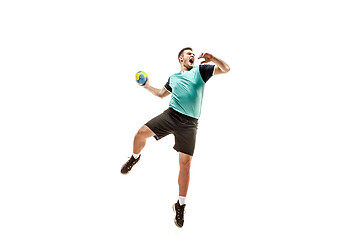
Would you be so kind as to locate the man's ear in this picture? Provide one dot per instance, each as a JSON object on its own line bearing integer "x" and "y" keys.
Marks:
{"x": 181, "y": 59}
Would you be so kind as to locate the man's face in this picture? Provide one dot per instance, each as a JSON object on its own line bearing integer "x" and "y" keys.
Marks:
{"x": 188, "y": 59}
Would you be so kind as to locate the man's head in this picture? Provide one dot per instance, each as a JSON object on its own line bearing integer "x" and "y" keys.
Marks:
{"x": 186, "y": 58}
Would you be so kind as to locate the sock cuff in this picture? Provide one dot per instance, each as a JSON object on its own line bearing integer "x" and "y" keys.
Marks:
{"x": 182, "y": 200}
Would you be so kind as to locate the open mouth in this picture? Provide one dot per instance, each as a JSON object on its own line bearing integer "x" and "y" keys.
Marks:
{"x": 191, "y": 60}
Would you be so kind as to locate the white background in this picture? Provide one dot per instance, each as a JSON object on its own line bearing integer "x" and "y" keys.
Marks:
{"x": 277, "y": 154}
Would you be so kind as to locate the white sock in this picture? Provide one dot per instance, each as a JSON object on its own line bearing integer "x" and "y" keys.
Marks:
{"x": 182, "y": 200}
{"x": 136, "y": 156}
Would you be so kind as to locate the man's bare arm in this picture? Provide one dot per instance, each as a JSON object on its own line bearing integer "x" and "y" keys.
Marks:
{"x": 221, "y": 66}
{"x": 161, "y": 93}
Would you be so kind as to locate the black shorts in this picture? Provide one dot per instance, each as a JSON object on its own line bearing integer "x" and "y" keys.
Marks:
{"x": 183, "y": 127}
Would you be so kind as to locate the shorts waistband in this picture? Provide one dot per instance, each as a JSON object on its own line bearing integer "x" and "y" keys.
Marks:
{"x": 182, "y": 115}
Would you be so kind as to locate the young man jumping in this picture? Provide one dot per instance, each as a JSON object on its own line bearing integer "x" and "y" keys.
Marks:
{"x": 181, "y": 118}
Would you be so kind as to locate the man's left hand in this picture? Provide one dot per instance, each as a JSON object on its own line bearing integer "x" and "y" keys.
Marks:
{"x": 207, "y": 57}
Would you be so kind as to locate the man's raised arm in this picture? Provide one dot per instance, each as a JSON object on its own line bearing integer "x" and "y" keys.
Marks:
{"x": 221, "y": 66}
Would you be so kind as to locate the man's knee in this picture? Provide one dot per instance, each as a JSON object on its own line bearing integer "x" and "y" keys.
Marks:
{"x": 185, "y": 161}
{"x": 144, "y": 132}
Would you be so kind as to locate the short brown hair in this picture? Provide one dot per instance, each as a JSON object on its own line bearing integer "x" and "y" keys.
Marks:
{"x": 182, "y": 50}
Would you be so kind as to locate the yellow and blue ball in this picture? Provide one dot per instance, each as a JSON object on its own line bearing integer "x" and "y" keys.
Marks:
{"x": 141, "y": 77}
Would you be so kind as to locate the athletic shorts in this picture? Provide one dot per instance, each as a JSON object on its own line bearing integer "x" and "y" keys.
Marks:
{"x": 183, "y": 127}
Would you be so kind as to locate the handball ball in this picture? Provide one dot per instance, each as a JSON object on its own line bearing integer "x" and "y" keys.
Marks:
{"x": 141, "y": 77}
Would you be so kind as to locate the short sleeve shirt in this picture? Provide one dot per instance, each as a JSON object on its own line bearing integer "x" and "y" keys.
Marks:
{"x": 187, "y": 88}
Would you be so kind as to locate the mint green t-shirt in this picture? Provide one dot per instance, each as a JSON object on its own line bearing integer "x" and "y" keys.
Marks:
{"x": 187, "y": 88}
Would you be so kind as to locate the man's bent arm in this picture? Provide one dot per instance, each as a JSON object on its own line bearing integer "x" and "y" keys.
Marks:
{"x": 221, "y": 66}
{"x": 161, "y": 93}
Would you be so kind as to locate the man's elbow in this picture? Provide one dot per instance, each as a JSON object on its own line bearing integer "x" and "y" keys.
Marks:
{"x": 161, "y": 95}
{"x": 226, "y": 69}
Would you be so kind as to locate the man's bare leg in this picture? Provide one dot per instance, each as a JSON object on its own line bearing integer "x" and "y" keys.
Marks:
{"x": 139, "y": 143}
{"x": 184, "y": 179}
{"x": 140, "y": 138}
{"x": 184, "y": 173}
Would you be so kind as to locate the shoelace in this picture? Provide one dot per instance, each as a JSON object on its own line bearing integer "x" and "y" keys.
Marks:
{"x": 130, "y": 164}
{"x": 180, "y": 213}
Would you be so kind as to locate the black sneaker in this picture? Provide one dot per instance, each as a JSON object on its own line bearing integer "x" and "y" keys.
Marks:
{"x": 179, "y": 210}
{"x": 125, "y": 169}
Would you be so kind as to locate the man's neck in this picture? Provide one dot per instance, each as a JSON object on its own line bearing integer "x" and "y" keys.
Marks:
{"x": 183, "y": 68}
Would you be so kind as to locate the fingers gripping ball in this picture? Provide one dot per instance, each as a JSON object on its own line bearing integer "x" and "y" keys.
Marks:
{"x": 141, "y": 77}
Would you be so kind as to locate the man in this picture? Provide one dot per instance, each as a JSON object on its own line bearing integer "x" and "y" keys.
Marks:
{"x": 181, "y": 119}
